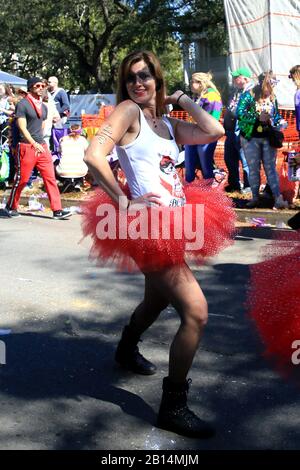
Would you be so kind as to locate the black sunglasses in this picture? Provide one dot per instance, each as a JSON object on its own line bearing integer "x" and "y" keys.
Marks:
{"x": 142, "y": 76}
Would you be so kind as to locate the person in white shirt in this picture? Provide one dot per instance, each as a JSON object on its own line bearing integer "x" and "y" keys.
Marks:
{"x": 53, "y": 116}
{"x": 60, "y": 98}
{"x": 146, "y": 141}
{"x": 72, "y": 148}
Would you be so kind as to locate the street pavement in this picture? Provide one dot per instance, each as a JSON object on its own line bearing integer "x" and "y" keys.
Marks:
{"x": 60, "y": 388}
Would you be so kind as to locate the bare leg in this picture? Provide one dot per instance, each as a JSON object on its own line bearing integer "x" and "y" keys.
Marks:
{"x": 149, "y": 309}
{"x": 182, "y": 290}
{"x": 127, "y": 353}
{"x": 178, "y": 286}
{"x": 184, "y": 293}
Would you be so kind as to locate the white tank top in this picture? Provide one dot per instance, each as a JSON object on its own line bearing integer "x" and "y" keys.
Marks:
{"x": 149, "y": 165}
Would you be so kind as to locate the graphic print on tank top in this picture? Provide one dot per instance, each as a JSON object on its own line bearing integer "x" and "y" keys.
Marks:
{"x": 170, "y": 180}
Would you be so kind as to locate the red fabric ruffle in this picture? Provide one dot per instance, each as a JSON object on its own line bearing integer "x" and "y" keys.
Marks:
{"x": 274, "y": 300}
{"x": 155, "y": 253}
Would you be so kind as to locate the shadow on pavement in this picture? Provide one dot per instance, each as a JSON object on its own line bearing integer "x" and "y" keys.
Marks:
{"x": 60, "y": 388}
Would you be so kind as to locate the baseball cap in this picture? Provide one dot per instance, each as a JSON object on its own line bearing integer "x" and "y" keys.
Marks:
{"x": 242, "y": 71}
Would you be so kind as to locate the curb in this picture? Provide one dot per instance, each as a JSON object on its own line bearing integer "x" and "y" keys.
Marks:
{"x": 243, "y": 215}
{"x": 65, "y": 202}
{"x": 272, "y": 217}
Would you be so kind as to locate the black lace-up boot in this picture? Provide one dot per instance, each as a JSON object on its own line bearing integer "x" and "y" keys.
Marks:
{"x": 129, "y": 357}
{"x": 174, "y": 414}
{"x": 294, "y": 222}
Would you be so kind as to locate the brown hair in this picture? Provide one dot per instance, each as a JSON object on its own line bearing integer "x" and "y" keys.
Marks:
{"x": 295, "y": 69}
{"x": 7, "y": 89}
{"x": 45, "y": 96}
{"x": 74, "y": 131}
{"x": 155, "y": 68}
{"x": 295, "y": 75}
{"x": 264, "y": 86}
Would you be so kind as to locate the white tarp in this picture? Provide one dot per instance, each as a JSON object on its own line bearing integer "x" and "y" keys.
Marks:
{"x": 90, "y": 104}
{"x": 264, "y": 35}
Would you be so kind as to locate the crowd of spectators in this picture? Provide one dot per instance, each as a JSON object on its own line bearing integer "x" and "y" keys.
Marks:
{"x": 248, "y": 115}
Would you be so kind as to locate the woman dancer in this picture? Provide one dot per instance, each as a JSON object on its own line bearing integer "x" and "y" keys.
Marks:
{"x": 146, "y": 143}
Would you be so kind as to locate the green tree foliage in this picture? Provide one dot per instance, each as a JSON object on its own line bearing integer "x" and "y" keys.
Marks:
{"x": 208, "y": 17}
{"x": 83, "y": 41}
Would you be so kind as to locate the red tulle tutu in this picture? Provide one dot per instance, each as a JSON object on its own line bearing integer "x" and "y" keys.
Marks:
{"x": 166, "y": 232}
{"x": 274, "y": 300}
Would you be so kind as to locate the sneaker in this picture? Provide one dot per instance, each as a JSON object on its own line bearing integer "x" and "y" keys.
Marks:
{"x": 77, "y": 188}
{"x": 13, "y": 213}
{"x": 280, "y": 203}
{"x": 4, "y": 213}
{"x": 60, "y": 215}
{"x": 246, "y": 190}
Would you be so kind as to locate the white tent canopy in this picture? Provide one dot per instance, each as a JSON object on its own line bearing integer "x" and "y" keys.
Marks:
{"x": 264, "y": 35}
{"x": 12, "y": 79}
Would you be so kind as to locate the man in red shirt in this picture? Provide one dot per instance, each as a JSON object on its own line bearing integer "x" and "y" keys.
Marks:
{"x": 32, "y": 151}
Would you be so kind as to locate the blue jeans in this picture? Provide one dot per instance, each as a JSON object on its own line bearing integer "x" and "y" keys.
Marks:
{"x": 258, "y": 150}
{"x": 233, "y": 153}
{"x": 202, "y": 154}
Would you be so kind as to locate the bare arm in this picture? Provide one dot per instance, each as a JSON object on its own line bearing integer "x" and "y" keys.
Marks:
{"x": 102, "y": 144}
{"x": 8, "y": 112}
{"x": 118, "y": 124}
{"x": 56, "y": 116}
{"x": 206, "y": 128}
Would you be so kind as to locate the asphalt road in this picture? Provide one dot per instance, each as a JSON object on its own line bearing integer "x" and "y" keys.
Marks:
{"x": 60, "y": 388}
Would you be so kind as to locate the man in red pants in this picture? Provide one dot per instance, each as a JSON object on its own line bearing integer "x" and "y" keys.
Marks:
{"x": 32, "y": 151}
